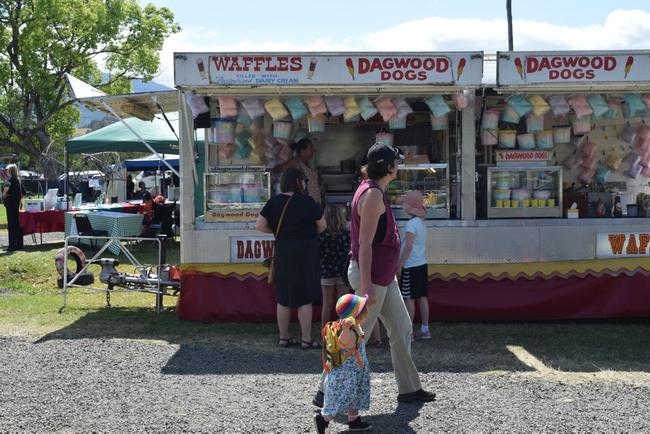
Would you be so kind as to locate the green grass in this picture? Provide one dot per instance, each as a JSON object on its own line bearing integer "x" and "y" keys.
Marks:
{"x": 131, "y": 315}
{"x": 32, "y": 270}
{"x": 3, "y": 217}
{"x": 30, "y": 300}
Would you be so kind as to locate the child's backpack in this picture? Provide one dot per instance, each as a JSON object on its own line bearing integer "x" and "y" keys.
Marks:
{"x": 333, "y": 354}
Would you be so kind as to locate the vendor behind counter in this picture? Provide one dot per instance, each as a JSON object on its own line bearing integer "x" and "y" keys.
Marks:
{"x": 303, "y": 154}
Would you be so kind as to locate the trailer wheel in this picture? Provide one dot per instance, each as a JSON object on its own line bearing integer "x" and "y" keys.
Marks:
{"x": 79, "y": 258}
{"x": 76, "y": 253}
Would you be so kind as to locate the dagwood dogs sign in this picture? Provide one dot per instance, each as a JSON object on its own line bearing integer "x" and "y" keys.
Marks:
{"x": 251, "y": 249}
{"x": 581, "y": 67}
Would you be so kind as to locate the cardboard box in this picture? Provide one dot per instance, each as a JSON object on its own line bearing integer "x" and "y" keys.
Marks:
{"x": 33, "y": 204}
{"x": 572, "y": 214}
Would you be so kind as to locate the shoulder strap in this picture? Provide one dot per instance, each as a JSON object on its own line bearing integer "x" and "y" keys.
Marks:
{"x": 277, "y": 228}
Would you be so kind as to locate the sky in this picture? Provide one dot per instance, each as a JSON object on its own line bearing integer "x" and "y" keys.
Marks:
{"x": 406, "y": 25}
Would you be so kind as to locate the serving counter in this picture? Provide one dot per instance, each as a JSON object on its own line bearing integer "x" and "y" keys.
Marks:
{"x": 478, "y": 270}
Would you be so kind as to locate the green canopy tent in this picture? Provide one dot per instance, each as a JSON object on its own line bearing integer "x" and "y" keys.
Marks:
{"x": 118, "y": 138}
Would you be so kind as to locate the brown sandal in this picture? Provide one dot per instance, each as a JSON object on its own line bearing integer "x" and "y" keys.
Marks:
{"x": 288, "y": 342}
{"x": 308, "y": 345}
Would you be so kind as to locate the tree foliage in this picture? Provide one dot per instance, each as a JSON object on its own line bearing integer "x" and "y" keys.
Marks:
{"x": 42, "y": 40}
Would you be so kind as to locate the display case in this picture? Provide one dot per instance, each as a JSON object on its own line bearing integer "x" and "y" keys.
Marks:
{"x": 524, "y": 192}
{"x": 236, "y": 193}
{"x": 432, "y": 180}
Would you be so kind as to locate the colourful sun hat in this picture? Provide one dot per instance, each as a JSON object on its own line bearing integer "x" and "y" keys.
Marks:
{"x": 350, "y": 305}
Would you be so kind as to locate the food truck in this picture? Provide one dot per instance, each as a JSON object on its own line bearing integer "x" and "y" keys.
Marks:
{"x": 562, "y": 192}
{"x": 253, "y": 105}
{"x": 535, "y": 186}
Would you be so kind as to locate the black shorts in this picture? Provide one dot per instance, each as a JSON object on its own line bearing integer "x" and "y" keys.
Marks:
{"x": 413, "y": 283}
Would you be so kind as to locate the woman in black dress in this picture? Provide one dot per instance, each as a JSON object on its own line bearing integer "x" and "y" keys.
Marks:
{"x": 11, "y": 196}
{"x": 297, "y": 260}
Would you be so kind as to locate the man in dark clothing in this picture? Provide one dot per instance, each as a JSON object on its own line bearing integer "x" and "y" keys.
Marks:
{"x": 12, "y": 195}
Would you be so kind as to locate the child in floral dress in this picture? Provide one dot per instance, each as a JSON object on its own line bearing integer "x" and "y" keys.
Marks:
{"x": 347, "y": 386}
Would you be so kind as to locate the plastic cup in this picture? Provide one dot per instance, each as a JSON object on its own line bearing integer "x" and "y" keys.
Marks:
{"x": 525, "y": 203}
{"x": 499, "y": 204}
{"x": 550, "y": 202}
{"x": 534, "y": 203}
{"x": 514, "y": 203}
{"x": 506, "y": 204}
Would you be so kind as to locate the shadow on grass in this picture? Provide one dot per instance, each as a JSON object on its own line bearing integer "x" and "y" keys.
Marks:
{"x": 33, "y": 248}
{"x": 235, "y": 348}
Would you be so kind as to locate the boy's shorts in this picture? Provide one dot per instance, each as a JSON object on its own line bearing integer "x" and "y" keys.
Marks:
{"x": 413, "y": 282}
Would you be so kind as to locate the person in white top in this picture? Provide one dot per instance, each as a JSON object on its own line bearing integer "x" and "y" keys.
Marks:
{"x": 412, "y": 265}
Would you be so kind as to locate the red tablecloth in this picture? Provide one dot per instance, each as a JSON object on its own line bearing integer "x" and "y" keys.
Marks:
{"x": 41, "y": 221}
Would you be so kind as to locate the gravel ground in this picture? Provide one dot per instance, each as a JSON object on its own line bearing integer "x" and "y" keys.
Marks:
{"x": 115, "y": 385}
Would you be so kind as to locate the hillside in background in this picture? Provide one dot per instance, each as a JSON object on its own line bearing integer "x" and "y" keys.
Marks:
{"x": 94, "y": 119}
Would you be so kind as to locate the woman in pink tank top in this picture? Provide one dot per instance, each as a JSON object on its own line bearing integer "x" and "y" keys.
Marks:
{"x": 385, "y": 243}
{"x": 375, "y": 252}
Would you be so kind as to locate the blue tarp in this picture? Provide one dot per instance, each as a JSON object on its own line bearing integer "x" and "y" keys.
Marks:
{"x": 150, "y": 163}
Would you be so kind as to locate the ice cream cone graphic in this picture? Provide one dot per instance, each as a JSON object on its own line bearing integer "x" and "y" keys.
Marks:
{"x": 350, "y": 66}
{"x": 312, "y": 68}
{"x": 628, "y": 65}
{"x": 520, "y": 67}
{"x": 461, "y": 66}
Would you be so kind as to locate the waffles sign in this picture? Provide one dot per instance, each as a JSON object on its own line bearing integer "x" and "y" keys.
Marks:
{"x": 251, "y": 249}
{"x": 571, "y": 67}
{"x": 458, "y": 68}
{"x": 622, "y": 244}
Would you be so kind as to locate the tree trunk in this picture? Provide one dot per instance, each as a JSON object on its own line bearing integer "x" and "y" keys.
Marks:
{"x": 47, "y": 158}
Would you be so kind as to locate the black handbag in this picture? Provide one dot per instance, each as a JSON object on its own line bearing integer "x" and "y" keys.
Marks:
{"x": 270, "y": 262}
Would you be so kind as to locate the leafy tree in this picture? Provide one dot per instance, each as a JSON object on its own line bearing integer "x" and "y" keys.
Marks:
{"x": 42, "y": 40}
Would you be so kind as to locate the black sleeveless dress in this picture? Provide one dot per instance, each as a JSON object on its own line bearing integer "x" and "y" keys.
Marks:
{"x": 297, "y": 256}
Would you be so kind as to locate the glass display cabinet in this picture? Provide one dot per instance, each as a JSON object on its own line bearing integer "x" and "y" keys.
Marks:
{"x": 432, "y": 180}
{"x": 514, "y": 192}
{"x": 236, "y": 193}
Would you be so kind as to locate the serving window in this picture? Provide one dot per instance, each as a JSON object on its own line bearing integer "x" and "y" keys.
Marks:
{"x": 248, "y": 137}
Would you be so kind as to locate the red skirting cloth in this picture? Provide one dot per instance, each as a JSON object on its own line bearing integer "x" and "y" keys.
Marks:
{"x": 39, "y": 222}
{"x": 209, "y": 297}
{"x": 602, "y": 296}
